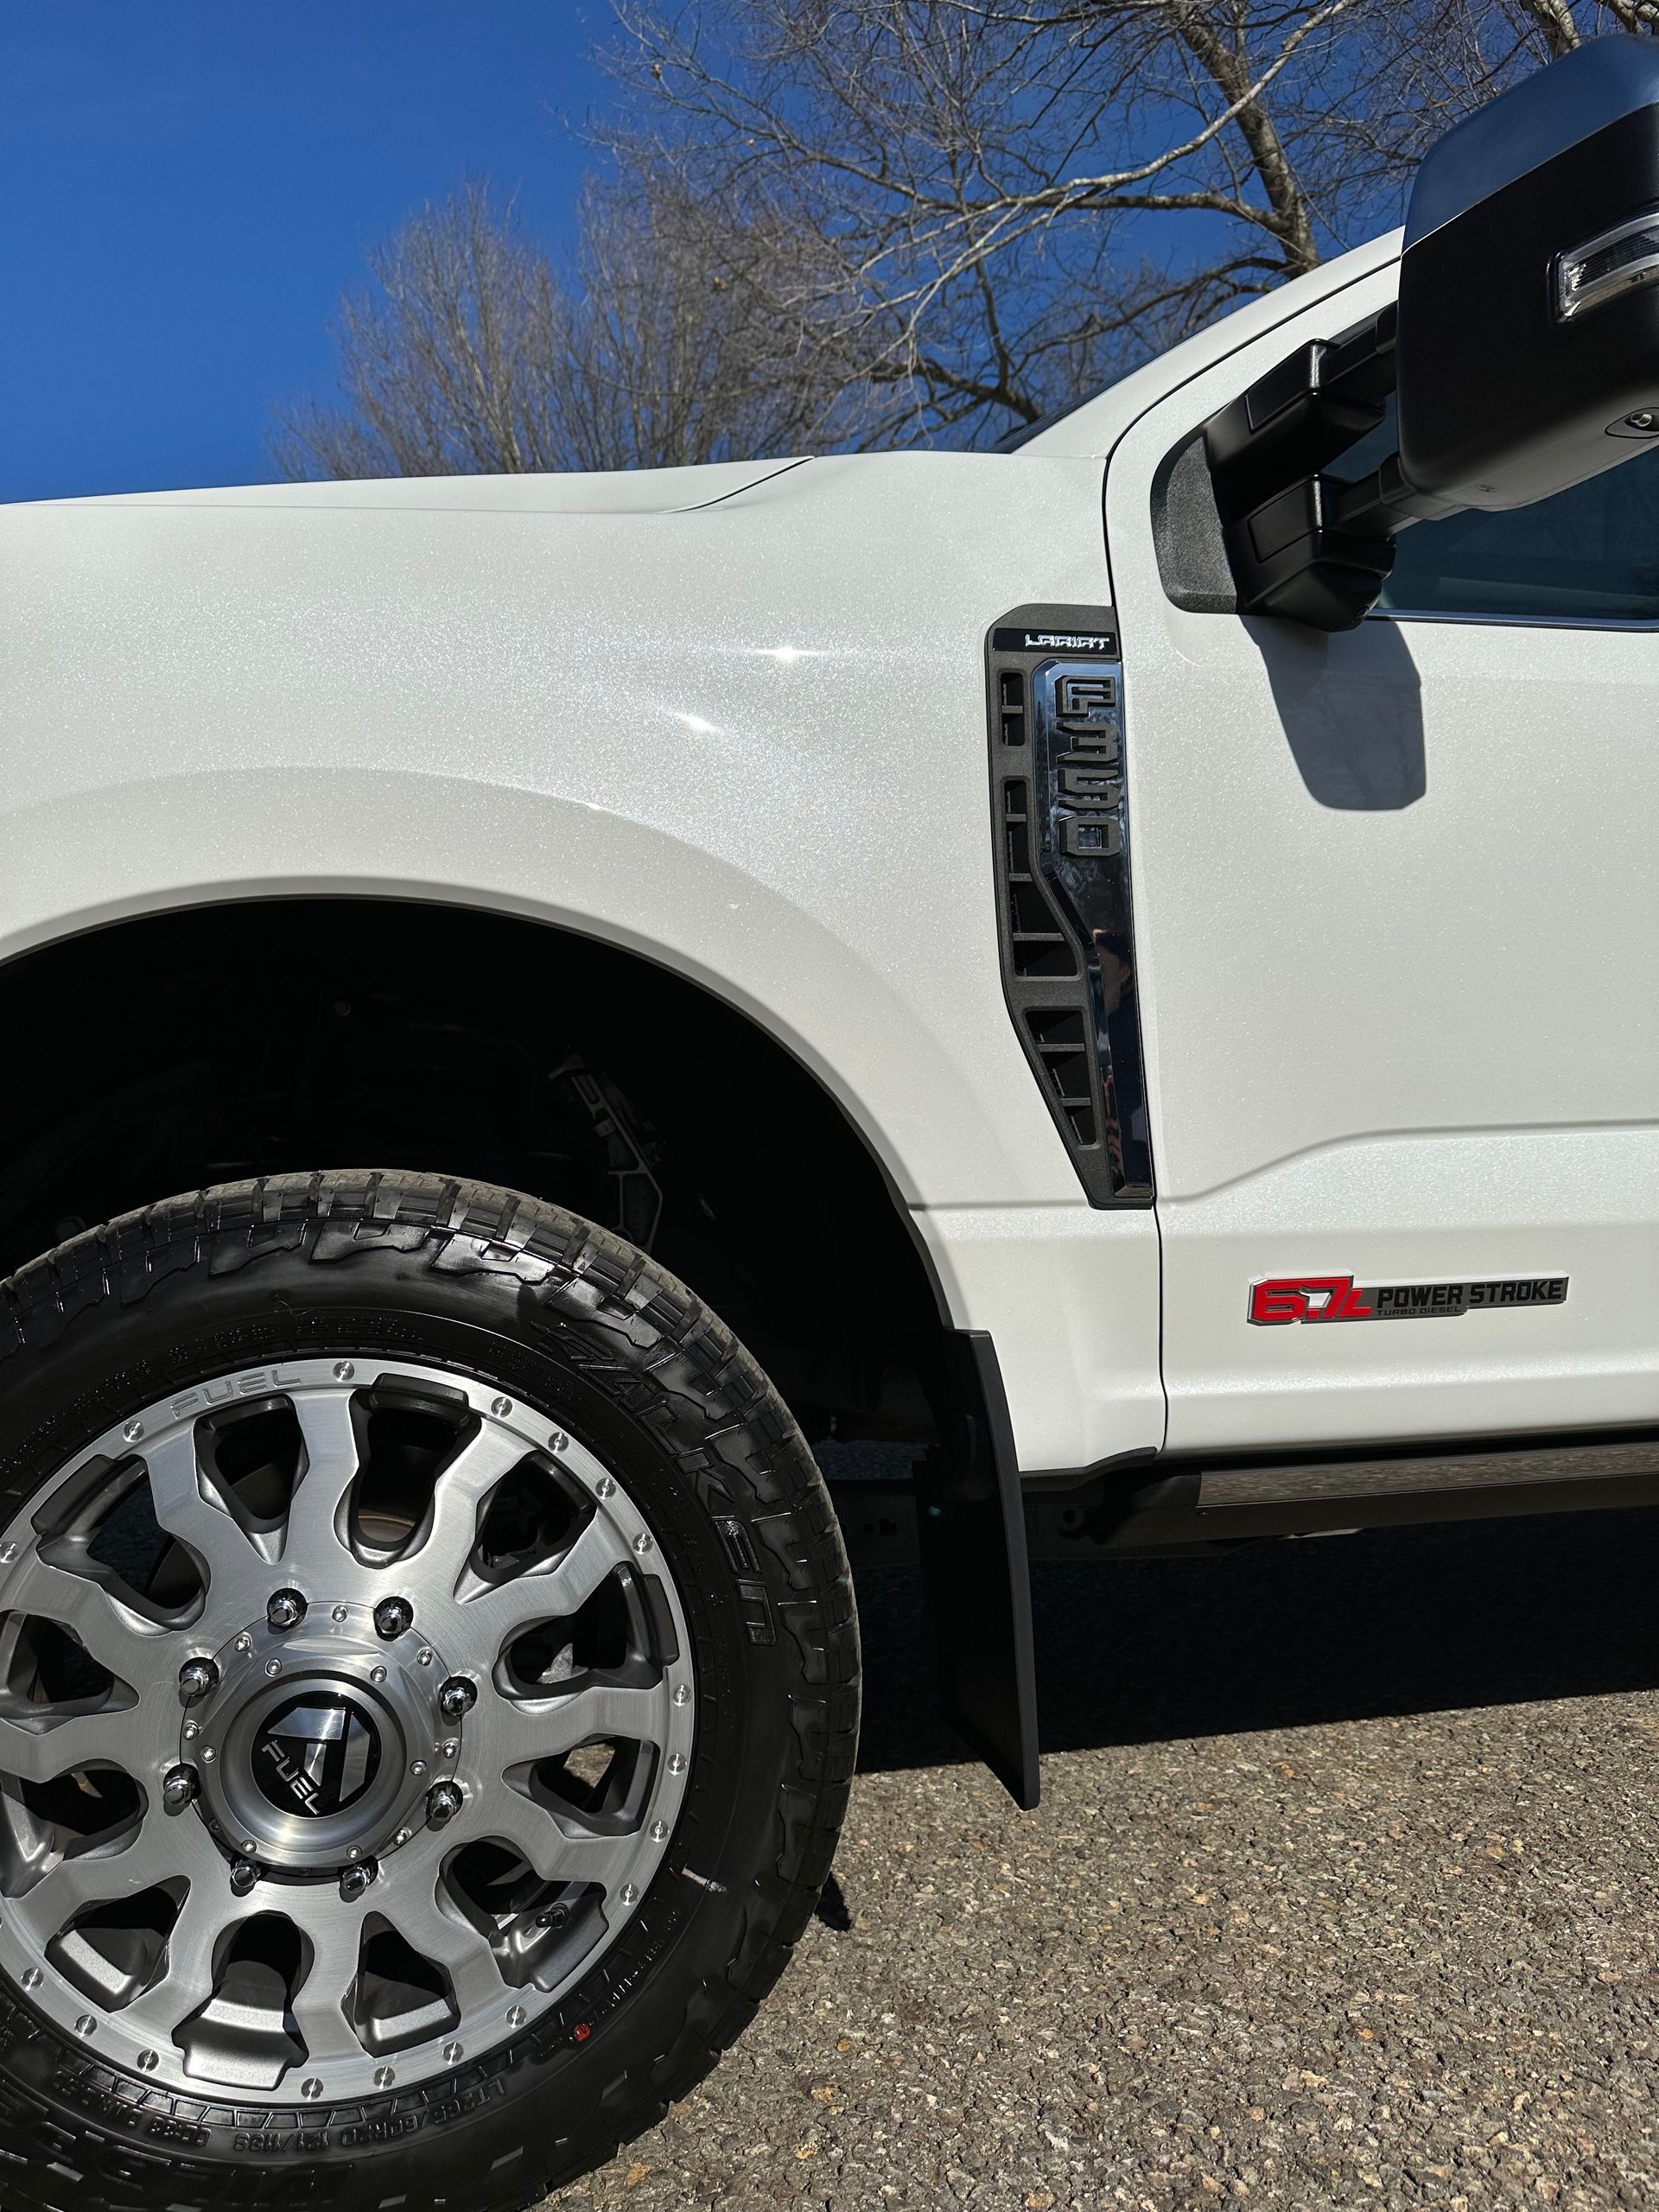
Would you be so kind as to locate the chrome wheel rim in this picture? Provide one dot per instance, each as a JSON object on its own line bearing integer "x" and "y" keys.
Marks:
{"x": 257, "y": 1835}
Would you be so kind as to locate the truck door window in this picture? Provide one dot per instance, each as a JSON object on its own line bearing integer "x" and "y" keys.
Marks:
{"x": 1588, "y": 555}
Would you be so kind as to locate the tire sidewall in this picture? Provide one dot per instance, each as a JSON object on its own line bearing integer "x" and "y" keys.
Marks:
{"x": 609, "y": 2045}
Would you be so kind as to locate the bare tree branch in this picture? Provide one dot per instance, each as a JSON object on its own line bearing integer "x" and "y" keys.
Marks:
{"x": 863, "y": 222}
{"x": 1554, "y": 19}
{"x": 469, "y": 354}
{"x": 985, "y": 175}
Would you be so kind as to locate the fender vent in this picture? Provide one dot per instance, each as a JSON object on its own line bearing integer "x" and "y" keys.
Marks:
{"x": 1060, "y": 821}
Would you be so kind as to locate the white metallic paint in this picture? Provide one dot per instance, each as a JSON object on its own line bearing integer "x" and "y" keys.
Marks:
{"x": 733, "y": 720}
{"x": 1397, "y": 913}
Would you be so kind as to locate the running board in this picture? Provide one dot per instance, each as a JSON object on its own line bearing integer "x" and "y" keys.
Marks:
{"x": 1146, "y": 1503}
{"x": 1478, "y": 1470}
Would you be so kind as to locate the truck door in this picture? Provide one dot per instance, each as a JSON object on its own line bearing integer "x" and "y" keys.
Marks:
{"x": 1397, "y": 901}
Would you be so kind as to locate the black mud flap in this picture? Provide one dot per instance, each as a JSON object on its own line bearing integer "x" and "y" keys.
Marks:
{"x": 977, "y": 1573}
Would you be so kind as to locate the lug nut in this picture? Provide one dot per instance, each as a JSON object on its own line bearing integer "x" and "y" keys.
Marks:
{"x": 443, "y": 1805}
{"x": 198, "y": 1678}
{"x": 393, "y": 1617}
{"x": 180, "y": 1788}
{"x": 286, "y": 1609}
{"x": 457, "y": 1697}
{"x": 356, "y": 1881}
{"x": 245, "y": 1876}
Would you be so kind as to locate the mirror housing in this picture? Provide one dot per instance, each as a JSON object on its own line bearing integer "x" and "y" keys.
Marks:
{"x": 1528, "y": 341}
{"x": 1523, "y": 351}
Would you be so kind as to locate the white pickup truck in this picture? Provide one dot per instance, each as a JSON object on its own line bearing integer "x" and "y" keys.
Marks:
{"x": 1037, "y": 959}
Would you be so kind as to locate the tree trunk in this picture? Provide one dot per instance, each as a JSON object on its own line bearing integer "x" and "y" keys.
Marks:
{"x": 1290, "y": 219}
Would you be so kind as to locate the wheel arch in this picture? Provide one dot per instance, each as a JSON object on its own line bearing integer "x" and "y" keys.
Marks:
{"x": 258, "y": 1036}
{"x": 169, "y": 998}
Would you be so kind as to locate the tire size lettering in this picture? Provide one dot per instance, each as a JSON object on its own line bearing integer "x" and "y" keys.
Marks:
{"x": 457, "y": 2107}
{"x": 97, "y": 2106}
{"x": 162, "y": 2130}
{"x": 378, "y": 2130}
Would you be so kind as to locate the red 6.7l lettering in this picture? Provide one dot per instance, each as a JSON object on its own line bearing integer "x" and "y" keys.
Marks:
{"x": 1283, "y": 1299}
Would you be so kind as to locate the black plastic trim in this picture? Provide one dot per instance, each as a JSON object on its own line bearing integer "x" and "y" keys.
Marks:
{"x": 1186, "y": 532}
{"x": 976, "y": 1573}
{"x": 1059, "y": 814}
{"x": 1172, "y": 1500}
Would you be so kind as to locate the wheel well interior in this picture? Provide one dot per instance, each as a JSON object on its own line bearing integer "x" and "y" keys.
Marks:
{"x": 202, "y": 1046}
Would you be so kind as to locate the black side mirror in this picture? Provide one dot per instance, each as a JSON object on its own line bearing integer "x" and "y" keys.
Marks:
{"x": 1528, "y": 347}
{"x": 1523, "y": 351}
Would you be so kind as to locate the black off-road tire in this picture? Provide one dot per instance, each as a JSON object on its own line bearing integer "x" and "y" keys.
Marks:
{"x": 605, "y": 1342}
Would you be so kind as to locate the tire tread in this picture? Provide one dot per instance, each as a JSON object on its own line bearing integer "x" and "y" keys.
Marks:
{"x": 46, "y": 2167}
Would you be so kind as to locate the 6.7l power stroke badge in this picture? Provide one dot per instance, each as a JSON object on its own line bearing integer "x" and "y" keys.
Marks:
{"x": 1283, "y": 1299}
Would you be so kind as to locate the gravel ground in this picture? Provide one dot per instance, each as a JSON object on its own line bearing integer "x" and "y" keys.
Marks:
{"x": 1341, "y": 1894}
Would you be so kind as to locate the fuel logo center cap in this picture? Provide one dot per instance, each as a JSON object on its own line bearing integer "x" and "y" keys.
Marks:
{"x": 316, "y": 1756}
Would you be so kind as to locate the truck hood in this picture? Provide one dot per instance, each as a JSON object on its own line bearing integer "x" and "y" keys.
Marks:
{"x": 608, "y": 492}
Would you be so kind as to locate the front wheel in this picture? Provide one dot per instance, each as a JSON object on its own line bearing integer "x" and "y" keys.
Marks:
{"x": 428, "y": 1691}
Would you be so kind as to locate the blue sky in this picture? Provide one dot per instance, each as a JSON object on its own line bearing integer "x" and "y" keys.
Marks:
{"x": 186, "y": 188}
